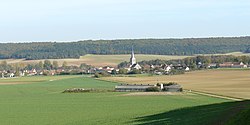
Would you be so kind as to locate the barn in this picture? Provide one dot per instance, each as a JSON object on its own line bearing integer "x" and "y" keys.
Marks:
{"x": 173, "y": 88}
{"x": 132, "y": 87}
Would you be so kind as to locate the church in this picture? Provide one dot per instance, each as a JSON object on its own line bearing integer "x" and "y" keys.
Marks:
{"x": 133, "y": 63}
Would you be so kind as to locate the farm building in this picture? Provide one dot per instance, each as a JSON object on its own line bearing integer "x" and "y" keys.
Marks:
{"x": 132, "y": 87}
{"x": 143, "y": 87}
{"x": 173, "y": 88}
{"x": 232, "y": 65}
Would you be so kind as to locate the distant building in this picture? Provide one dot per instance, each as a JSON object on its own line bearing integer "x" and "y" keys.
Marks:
{"x": 187, "y": 69}
{"x": 173, "y": 88}
{"x": 132, "y": 58}
{"x": 168, "y": 68}
{"x": 143, "y": 87}
{"x": 132, "y": 87}
{"x": 212, "y": 65}
{"x": 133, "y": 63}
{"x": 226, "y": 65}
{"x": 232, "y": 65}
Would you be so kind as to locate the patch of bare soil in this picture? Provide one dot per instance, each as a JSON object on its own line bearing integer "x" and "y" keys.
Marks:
{"x": 12, "y": 83}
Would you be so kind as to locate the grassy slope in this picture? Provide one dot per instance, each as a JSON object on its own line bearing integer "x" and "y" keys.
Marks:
{"x": 43, "y": 103}
{"x": 234, "y": 83}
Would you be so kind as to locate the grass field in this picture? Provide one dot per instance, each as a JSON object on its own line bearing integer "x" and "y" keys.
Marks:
{"x": 99, "y": 60}
{"x": 227, "y": 82}
{"x": 33, "y": 79}
{"x": 43, "y": 103}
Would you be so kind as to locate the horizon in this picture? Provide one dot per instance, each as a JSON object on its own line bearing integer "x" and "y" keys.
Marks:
{"x": 131, "y": 19}
{"x": 126, "y": 39}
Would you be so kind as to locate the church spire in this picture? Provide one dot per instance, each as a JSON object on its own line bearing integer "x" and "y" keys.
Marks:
{"x": 132, "y": 53}
{"x": 132, "y": 58}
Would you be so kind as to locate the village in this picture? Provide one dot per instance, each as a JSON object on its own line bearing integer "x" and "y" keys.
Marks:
{"x": 156, "y": 67}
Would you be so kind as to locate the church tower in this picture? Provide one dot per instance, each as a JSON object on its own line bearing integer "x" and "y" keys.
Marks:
{"x": 132, "y": 58}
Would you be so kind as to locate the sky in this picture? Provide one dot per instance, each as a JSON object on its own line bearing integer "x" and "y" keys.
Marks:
{"x": 73, "y": 20}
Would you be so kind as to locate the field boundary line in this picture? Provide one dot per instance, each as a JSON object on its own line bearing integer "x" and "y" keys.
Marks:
{"x": 216, "y": 95}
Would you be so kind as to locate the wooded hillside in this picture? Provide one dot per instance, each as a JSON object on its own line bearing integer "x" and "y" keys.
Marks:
{"x": 49, "y": 50}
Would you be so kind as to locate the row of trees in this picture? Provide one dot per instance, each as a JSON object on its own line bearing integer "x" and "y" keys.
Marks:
{"x": 49, "y": 50}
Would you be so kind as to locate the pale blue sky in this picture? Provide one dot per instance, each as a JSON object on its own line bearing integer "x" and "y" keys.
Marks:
{"x": 72, "y": 20}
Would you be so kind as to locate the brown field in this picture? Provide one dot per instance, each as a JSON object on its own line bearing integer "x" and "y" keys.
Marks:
{"x": 98, "y": 60}
{"x": 232, "y": 53}
{"x": 232, "y": 83}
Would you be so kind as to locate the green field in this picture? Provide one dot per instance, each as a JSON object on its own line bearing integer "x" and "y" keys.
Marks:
{"x": 43, "y": 103}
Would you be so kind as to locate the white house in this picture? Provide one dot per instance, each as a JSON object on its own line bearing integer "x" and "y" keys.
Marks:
{"x": 168, "y": 68}
{"x": 187, "y": 69}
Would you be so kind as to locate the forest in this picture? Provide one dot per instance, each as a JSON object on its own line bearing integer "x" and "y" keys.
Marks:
{"x": 187, "y": 46}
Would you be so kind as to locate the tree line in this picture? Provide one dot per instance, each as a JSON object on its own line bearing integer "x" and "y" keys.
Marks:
{"x": 189, "y": 46}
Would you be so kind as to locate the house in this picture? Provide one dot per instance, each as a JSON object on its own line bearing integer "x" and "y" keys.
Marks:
{"x": 152, "y": 66}
{"x": 132, "y": 87}
{"x": 135, "y": 66}
{"x": 167, "y": 68}
{"x": 187, "y": 69}
{"x": 212, "y": 65}
{"x": 226, "y": 65}
{"x": 232, "y": 65}
{"x": 108, "y": 69}
{"x": 239, "y": 65}
{"x": 10, "y": 75}
{"x": 178, "y": 66}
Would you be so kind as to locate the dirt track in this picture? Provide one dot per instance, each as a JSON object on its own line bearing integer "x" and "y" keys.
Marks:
{"x": 154, "y": 93}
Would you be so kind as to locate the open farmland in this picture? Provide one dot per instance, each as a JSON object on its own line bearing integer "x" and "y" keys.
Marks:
{"x": 44, "y": 103}
{"x": 114, "y": 60}
{"x": 98, "y": 60}
{"x": 33, "y": 79}
{"x": 232, "y": 53}
{"x": 110, "y": 60}
{"x": 227, "y": 82}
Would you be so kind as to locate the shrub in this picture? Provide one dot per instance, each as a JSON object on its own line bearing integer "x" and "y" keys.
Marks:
{"x": 102, "y": 74}
{"x": 170, "y": 83}
{"x": 135, "y": 71}
{"x": 176, "y": 72}
{"x": 123, "y": 71}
